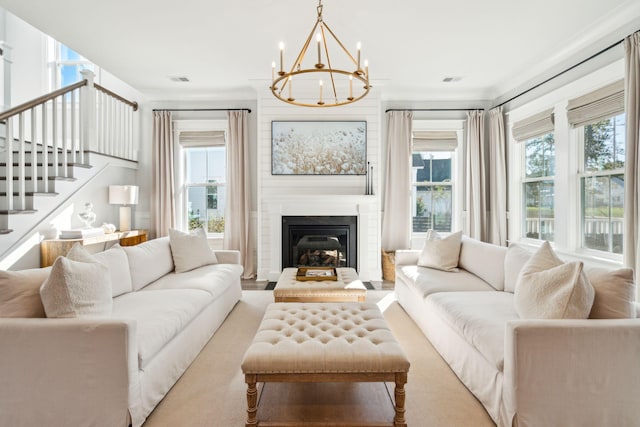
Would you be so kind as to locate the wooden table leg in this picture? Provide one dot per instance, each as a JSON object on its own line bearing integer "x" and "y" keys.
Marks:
{"x": 401, "y": 380}
{"x": 252, "y": 400}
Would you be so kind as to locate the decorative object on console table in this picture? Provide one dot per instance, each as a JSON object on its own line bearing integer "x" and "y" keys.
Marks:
{"x": 88, "y": 216}
{"x": 124, "y": 195}
{"x": 51, "y": 249}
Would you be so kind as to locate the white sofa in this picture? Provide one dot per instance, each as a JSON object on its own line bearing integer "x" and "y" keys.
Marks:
{"x": 540, "y": 373}
{"x": 113, "y": 371}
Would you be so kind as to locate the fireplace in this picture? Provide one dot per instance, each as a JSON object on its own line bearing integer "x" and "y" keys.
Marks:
{"x": 314, "y": 241}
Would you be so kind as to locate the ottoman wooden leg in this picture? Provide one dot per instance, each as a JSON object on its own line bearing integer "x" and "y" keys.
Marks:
{"x": 252, "y": 401}
{"x": 401, "y": 380}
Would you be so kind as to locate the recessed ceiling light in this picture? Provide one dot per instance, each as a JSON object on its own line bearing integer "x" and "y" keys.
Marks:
{"x": 451, "y": 79}
{"x": 179, "y": 78}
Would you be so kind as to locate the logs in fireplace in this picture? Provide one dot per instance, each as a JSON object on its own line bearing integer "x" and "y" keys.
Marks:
{"x": 315, "y": 241}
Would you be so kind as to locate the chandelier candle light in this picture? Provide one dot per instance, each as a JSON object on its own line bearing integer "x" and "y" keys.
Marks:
{"x": 341, "y": 80}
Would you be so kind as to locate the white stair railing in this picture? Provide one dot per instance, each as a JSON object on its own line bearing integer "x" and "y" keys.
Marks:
{"x": 46, "y": 136}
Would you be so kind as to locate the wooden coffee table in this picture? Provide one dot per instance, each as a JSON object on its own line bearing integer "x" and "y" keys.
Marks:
{"x": 347, "y": 288}
{"x": 324, "y": 342}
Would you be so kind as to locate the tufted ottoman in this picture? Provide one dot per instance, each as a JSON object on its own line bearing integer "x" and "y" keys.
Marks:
{"x": 324, "y": 342}
{"x": 348, "y": 287}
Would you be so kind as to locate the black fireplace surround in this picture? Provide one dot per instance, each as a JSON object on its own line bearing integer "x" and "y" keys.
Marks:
{"x": 319, "y": 241}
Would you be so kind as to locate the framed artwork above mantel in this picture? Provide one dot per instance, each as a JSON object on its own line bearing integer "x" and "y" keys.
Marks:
{"x": 318, "y": 147}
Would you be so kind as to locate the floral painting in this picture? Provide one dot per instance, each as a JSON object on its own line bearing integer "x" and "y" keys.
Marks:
{"x": 319, "y": 148}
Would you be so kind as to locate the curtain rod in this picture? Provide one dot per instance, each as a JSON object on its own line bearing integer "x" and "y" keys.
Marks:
{"x": 202, "y": 109}
{"x": 433, "y": 109}
{"x": 560, "y": 73}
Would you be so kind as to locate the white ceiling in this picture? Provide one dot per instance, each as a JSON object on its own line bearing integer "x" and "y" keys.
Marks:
{"x": 226, "y": 47}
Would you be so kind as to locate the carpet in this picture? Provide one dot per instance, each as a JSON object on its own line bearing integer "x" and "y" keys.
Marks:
{"x": 212, "y": 391}
{"x": 271, "y": 285}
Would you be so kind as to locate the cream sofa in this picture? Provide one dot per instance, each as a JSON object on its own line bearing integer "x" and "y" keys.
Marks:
{"x": 540, "y": 373}
{"x": 113, "y": 371}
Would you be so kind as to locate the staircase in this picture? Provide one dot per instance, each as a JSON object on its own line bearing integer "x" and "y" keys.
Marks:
{"x": 49, "y": 141}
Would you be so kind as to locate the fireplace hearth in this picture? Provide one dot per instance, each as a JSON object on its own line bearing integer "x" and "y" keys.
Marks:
{"x": 313, "y": 241}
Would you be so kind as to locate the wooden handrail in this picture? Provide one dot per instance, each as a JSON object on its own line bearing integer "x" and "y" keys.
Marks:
{"x": 116, "y": 96}
{"x": 40, "y": 100}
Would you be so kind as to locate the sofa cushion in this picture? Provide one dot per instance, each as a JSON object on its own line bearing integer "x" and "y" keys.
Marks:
{"x": 484, "y": 260}
{"x": 515, "y": 258}
{"x": 149, "y": 261}
{"x": 480, "y": 317}
{"x": 160, "y": 316}
{"x": 547, "y": 288}
{"x": 20, "y": 292}
{"x": 78, "y": 286}
{"x": 615, "y": 293}
{"x": 116, "y": 261}
{"x": 426, "y": 281}
{"x": 190, "y": 250}
{"x": 214, "y": 279}
{"x": 441, "y": 253}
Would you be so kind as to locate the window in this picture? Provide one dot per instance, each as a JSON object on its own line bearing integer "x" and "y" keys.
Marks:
{"x": 432, "y": 186}
{"x": 538, "y": 187}
{"x": 67, "y": 65}
{"x": 205, "y": 179}
{"x": 602, "y": 184}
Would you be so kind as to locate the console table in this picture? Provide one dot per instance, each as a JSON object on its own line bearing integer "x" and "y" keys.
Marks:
{"x": 51, "y": 249}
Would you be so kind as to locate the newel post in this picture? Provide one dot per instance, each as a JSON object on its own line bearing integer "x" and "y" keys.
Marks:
{"x": 88, "y": 114}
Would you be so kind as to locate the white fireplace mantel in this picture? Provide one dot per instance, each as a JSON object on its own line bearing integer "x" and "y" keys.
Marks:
{"x": 364, "y": 207}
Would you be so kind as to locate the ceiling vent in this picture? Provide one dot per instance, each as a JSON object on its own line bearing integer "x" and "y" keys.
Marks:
{"x": 179, "y": 79}
{"x": 451, "y": 79}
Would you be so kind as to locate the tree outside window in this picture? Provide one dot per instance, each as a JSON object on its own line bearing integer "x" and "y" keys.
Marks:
{"x": 538, "y": 187}
{"x": 602, "y": 185}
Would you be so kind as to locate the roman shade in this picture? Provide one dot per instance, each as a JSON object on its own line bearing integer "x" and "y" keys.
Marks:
{"x": 434, "y": 140}
{"x": 600, "y": 104}
{"x": 531, "y": 127}
{"x": 197, "y": 138}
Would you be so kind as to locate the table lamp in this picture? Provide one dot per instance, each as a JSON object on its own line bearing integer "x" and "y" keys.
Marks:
{"x": 124, "y": 195}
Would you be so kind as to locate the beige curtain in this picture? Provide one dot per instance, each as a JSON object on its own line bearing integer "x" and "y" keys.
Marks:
{"x": 497, "y": 178}
{"x": 237, "y": 215}
{"x": 162, "y": 197}
{"x": 632, "y": 157}
{"x": 476, "y": 184}
{"x": 396, "y": 222}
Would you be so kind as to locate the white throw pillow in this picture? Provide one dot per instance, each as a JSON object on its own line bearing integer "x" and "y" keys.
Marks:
{"x": 190, "y": 250}
{"x": 547, "y": 288}
{"x": 116, "y": 261}
{"x": 514, "y": 260}
{"x": 441, "y": 253}
{"x": 615, "y": 293}
{"x": 20, "y": 292}
{"x": 78, "y": 286}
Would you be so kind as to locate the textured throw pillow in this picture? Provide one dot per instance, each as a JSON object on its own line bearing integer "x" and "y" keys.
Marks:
{"x": 20, "y": 292}
{"x": 441, "y": 253}
{"x": 190, "y": 250}
{"x": 615, "y": 293}
{"x": 547, "y": 288}
{"x": 78, "y": 286}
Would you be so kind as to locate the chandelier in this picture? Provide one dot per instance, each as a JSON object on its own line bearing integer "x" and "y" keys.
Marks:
{"x": 335, "y": 86}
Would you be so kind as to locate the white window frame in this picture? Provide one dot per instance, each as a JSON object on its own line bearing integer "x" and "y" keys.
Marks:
{"x": 525, "y": 180}
{"x": 457, "y": 174}
{"x": 578, "y": 138}
{"x": 180, "y": 167}
{"x": 567, "y": 184}
{"x": 54, "y": 49}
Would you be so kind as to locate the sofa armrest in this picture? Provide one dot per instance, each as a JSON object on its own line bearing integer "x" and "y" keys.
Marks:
{"x": 572, "y": 372}
{"x": 407, "y": 256}
{"x": 227, "y": 256}
{"x": 69, "y": 372}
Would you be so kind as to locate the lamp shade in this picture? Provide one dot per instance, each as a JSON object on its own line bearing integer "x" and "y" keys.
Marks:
{"x": 123, "y": 194}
